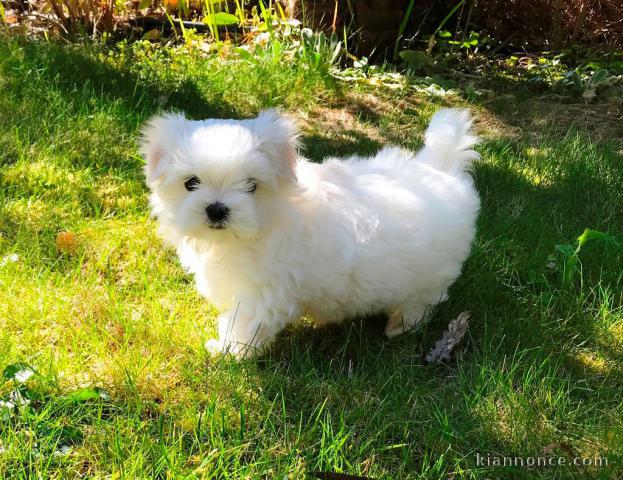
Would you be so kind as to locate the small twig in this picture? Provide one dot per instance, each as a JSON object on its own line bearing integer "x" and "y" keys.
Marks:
{"x": 58, "y": 10}
{"x": 46, "y": 18}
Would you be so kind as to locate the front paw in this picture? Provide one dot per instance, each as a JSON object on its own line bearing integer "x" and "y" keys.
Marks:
{"x": 214, "y": 346}
{"x": 237, "y": 350}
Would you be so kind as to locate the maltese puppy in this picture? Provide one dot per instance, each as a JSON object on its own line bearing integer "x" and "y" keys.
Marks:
{"x": 270, "y": 236}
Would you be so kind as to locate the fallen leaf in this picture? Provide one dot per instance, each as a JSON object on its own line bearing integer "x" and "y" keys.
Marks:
{"x": 66, "y": 242}
{"x": 450, "y": 338}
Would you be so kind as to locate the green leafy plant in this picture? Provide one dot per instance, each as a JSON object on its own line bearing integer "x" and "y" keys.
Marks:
{"x": 89, "y": 394}
{"x": 31, "y": 411}
{"x": 433, "y": 37}
{"x": 20, "y": 373}
{"x": 471, "y": 43}
{"x": 277, "y": 39}
{"x": 587, "y": 82}
{"x": 318, "y": 50}
{"x": 567, "y": 258}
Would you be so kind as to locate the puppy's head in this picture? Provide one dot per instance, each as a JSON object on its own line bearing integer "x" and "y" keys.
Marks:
{"x": 212, "y": 179}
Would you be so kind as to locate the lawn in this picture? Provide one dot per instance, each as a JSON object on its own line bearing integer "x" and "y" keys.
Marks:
{"x": 90, "y": 298}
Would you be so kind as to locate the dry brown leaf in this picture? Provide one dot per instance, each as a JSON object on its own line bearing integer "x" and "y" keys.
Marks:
{"x": 451, "y": 337}
{"x": 67, "y": 242}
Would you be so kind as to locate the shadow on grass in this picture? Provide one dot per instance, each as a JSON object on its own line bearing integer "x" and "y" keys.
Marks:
{"x": 351, "y": 142}
{"x": 523, "y": 322}
{"x": 71, "y": 70}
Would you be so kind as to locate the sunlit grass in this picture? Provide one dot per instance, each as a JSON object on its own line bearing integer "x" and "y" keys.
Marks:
{"x": 90, "y": 297}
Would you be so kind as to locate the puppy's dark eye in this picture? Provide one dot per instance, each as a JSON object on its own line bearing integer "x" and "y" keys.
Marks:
{"x": 251, "y": 185}
{"x": 192, "y": 183}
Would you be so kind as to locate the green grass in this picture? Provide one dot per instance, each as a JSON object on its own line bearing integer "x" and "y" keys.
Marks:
{"x": 108, "y": 306}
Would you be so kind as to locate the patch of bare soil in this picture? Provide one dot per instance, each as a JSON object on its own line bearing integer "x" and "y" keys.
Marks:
{"x": 361, "y": 122}
{"x": 601, "y": 121}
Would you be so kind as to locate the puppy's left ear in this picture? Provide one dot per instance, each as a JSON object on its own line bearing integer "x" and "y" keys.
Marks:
{"x": 279, "y": 140}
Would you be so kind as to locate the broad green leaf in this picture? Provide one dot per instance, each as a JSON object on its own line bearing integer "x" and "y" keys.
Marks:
{"x": 594, "y": 65}
{"x": 7, "y": 409}
{"x": 565, "y": 249}
{"x": 221, "y": 19}
{"x": 590, "y": 234}
{"x": 336, "y": 52}
{"x": 570, "y": 264}
{"x": 600, "y": 75}
{"x": 245, "y": 54}
{"x": 88, "y": 394}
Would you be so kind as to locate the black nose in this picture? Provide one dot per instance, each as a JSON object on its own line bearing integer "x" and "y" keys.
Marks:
{"x": 217, "y": 212}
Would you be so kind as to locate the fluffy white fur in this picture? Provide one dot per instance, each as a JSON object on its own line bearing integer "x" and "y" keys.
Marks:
{"x": 332, "y": 240}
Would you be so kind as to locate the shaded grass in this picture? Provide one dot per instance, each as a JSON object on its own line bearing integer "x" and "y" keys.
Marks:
{"x": 541, "y": 365}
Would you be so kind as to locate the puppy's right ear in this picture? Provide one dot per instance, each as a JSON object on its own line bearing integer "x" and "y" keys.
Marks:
{"x": 159, "y": 137}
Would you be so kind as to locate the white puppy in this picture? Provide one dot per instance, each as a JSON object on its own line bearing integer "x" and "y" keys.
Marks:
{"x": 270, "y": 236}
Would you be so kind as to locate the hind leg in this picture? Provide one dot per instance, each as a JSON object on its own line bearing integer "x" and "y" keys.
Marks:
{"x": 412, "y": 313}
{"x": 405, "y": 318}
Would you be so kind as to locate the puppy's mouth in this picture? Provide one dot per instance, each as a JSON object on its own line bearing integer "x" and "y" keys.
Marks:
{"x": 218, "y": 226}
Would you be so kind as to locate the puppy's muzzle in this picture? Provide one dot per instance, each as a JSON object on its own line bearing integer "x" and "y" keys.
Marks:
{"x": 217, "y": 214}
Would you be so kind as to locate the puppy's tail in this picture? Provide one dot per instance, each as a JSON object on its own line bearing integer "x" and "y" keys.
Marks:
{"x": 448, "y": 141}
